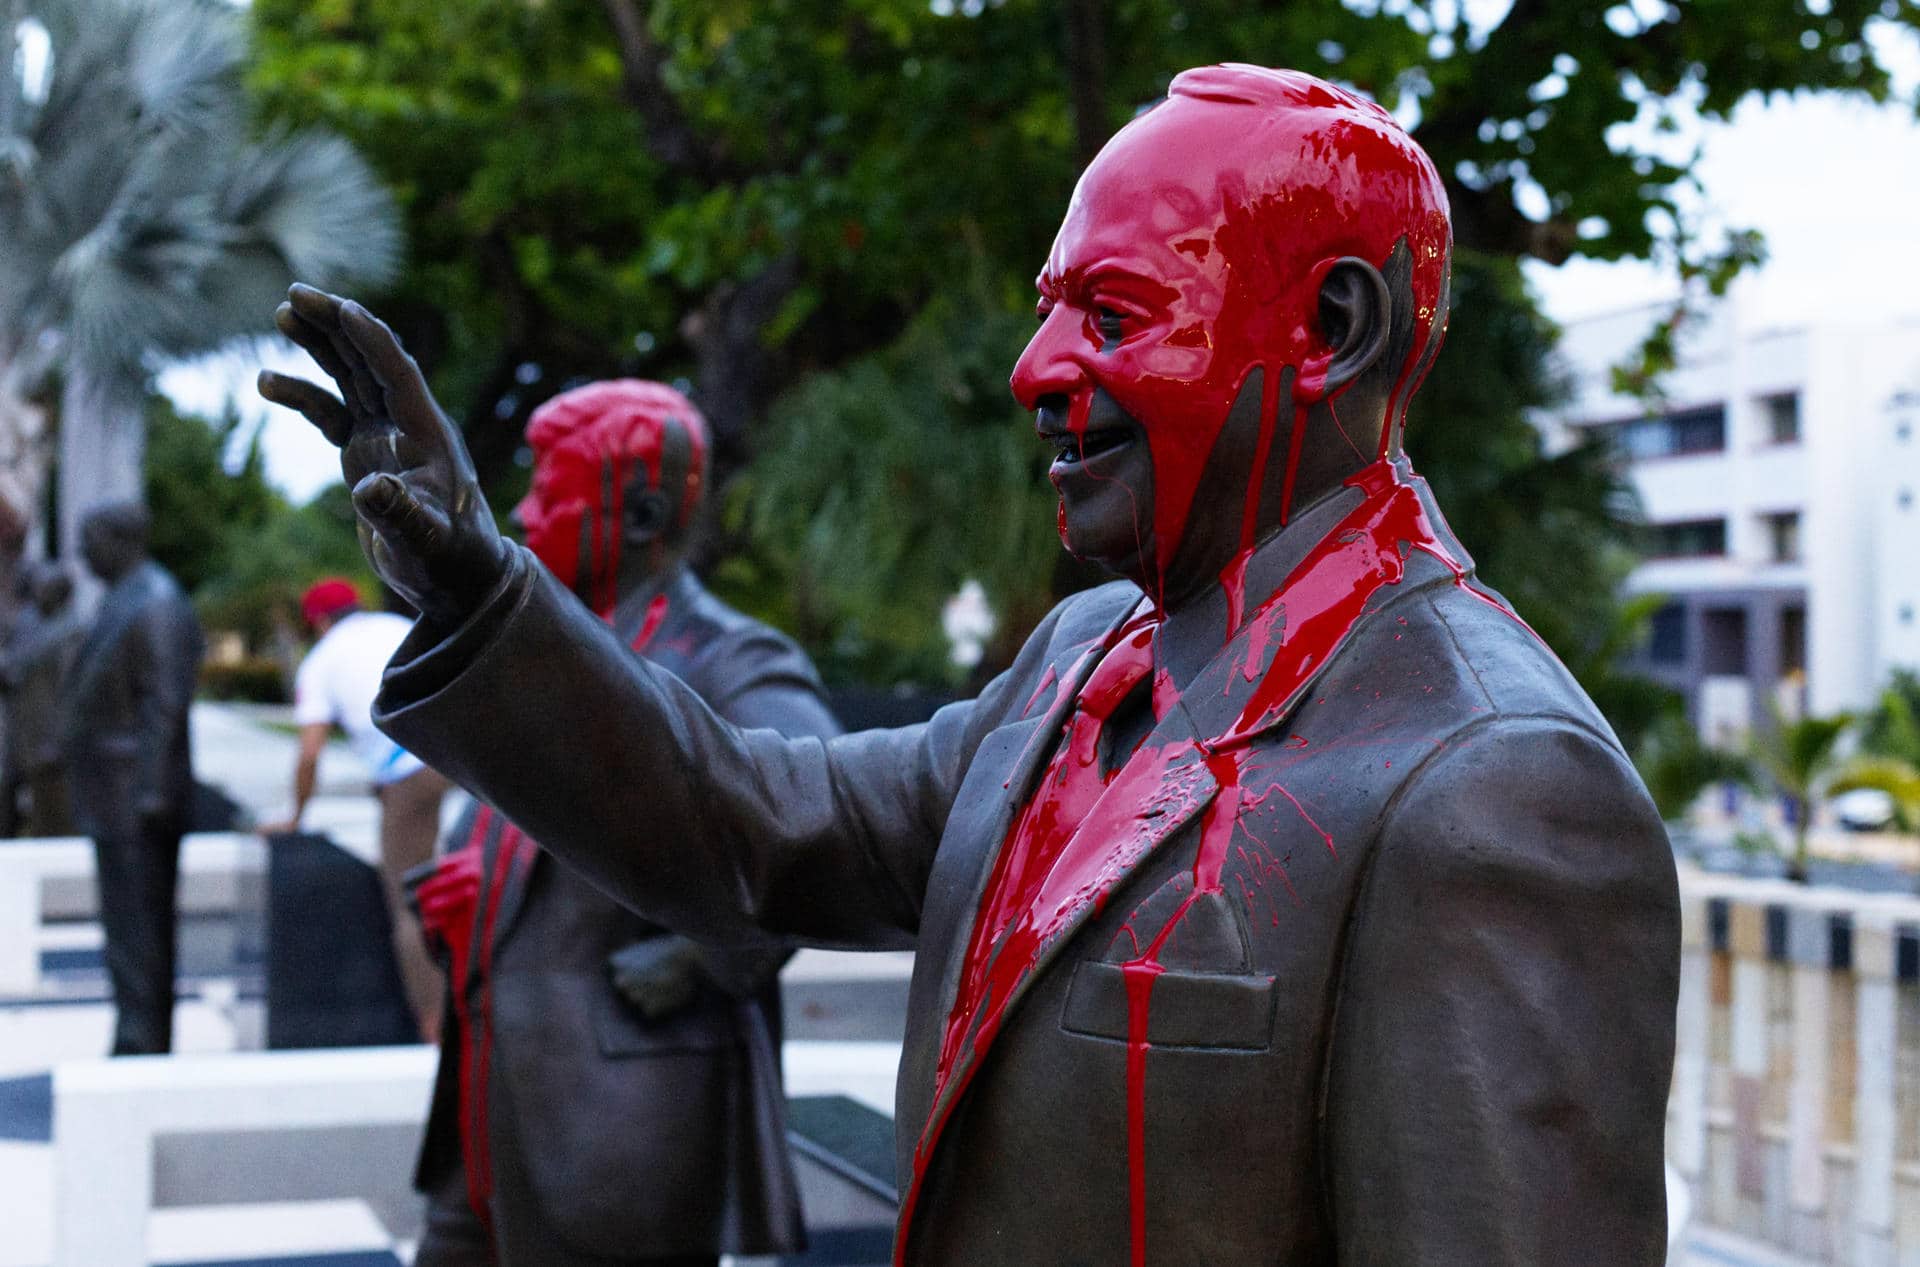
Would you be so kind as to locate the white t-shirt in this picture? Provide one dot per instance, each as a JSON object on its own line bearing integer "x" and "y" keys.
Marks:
{"x": 338, "y": 680}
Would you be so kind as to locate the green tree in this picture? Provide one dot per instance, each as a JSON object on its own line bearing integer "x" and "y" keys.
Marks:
{"x": 238, "y": 547}
{"x": 1800, "y": 757}
{"x": 256, "y": 590}
{"x": 860, "y": 528}
{"x": 1889, "y": 756}
{"x": 142, "y": 219}
{"x": 754, "y": 194}
{"x": 701, "y": 175}
{"x": 202, "y": 511}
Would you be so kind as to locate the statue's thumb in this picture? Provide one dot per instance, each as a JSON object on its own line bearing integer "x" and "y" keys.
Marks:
{"x": 392, "y": 510}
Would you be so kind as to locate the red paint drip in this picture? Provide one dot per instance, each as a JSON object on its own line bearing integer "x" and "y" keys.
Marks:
{"x": 473, "y": 1143}
{"x": 1046, "y": 681}
{"x": 650, "y": 624}
{"x": 1139, "y": 979}
{"x": 1317, "y": 607}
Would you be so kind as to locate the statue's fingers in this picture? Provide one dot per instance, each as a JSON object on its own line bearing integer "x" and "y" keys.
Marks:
{"x": 408, "y": 401}
{"x": 400, "y": 516}
{"x": 315, "y": 305}
{"x": 318, "y": 405}
{"x": 321, "y": 312}
{"x": 316, "y": 343}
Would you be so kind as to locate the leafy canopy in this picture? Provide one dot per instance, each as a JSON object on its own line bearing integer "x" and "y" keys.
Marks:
{"x": 826, "y": 217}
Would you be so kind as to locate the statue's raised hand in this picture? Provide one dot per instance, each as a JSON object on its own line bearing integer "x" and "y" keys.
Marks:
{"x": 423, "y": 522}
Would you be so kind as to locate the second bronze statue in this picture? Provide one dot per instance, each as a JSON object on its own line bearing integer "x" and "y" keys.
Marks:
{"x": 610, "y": 1091}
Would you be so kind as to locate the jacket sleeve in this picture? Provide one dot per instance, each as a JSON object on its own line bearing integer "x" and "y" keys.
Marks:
{"x": 1496, "y": 1088}
{"x": 756, "y": 679}
{"x": 611, "y": 759}
{"x": 164, "y": 658}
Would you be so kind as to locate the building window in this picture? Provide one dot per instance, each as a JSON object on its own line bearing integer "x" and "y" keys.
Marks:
{"x": 1904, "y": 499}
{"x": 1667, "y": 641}
{"x": 1793, "y": 640}
{"x": 1687, "y": 431}
{"x": 1906, "y": 613}
{"x": 1783, "y": 417}
{"x": 1783, "y": 536}
{"x": 1723, "y": 641}
{"x": 1687, "y": 539}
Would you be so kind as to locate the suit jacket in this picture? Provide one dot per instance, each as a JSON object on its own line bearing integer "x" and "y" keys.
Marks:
{"x": 1426, "y": 1018}
{"x": 639, "y": 1139}
{"x": 127, "y": 729}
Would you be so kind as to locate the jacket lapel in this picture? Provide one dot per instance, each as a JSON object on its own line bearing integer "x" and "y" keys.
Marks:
{"x": 1162, "y": 789}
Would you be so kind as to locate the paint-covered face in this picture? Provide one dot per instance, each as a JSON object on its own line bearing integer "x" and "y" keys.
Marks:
{"x": 613, "y": 463}
{"x": 1192, "y": 253}
{"x": 563, "y": 507}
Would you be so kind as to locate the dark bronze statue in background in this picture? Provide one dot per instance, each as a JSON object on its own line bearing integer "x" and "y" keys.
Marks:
{"x": 610, "y": 1091}
{"x": 1286, "y": 901}
{"x": 34, "y": 673}
{"x": 130, "y": 762}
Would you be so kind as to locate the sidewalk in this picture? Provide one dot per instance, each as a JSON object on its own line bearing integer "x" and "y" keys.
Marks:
{"x": 236, "y": 749}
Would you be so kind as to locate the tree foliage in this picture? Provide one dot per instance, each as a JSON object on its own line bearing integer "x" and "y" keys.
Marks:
{"x": 237, "y": 546}
{"x": 1801, "y": 757}
{"x": 143, "y": 218}
{"x": 882, "y": 487}
{"x": 203, "y": 513}
{"x": 799, "y": 198}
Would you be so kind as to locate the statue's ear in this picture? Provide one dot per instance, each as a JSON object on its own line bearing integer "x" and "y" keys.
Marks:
{"x": 1356, "y": 316}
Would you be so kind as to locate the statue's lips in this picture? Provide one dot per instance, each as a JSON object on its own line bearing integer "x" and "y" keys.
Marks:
{"x": 1077, "y": 451}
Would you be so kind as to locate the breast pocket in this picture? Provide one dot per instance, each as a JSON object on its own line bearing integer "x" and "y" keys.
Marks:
{"x": 1223, "y": 1012}
{"x": 1205, "y": 994}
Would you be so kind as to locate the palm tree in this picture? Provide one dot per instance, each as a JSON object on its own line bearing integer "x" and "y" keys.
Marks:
{"x": 1800, "y": 756}
{"x": 142, "y": 220}
{"x": 1889, "y": 760}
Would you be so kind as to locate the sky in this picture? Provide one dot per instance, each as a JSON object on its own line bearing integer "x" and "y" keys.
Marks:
{"x": 1833, "y": 184}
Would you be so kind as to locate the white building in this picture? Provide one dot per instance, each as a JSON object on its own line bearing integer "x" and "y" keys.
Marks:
{"x": 1781, "y": 488}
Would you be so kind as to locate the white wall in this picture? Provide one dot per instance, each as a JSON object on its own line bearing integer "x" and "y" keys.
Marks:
{"x": 1858, "y": 548}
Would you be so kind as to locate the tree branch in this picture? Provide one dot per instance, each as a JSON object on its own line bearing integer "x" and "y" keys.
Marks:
{"x": 671, "y": 139}
{"x": 1086, "y": 77}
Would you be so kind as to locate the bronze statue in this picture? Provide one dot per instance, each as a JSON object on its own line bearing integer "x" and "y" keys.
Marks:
{"x": 609, "y": 1091}
{"x": 1285, "y": 901}
{"x": 129, "y": 754}
{"x": 38, "y": 661}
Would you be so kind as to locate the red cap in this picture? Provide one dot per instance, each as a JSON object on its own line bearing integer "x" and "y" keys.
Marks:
{"x": 328, "y": 597}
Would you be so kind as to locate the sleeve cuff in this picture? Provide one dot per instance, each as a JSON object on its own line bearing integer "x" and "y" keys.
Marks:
{"x": 422, "y": 667}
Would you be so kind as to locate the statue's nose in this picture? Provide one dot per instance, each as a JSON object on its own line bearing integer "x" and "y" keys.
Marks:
{"x": 1049, "y": 367}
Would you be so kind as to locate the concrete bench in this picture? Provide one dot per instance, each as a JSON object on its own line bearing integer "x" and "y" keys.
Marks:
{"x": 153, "y": 1132}
{"x": 46, "y": 881}
{"x": 137, "y": 1133}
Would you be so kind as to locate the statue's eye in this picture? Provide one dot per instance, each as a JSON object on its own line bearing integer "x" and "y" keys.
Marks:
{"x": 1042, "y": 311}
{"x": 1112, "y": 325}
